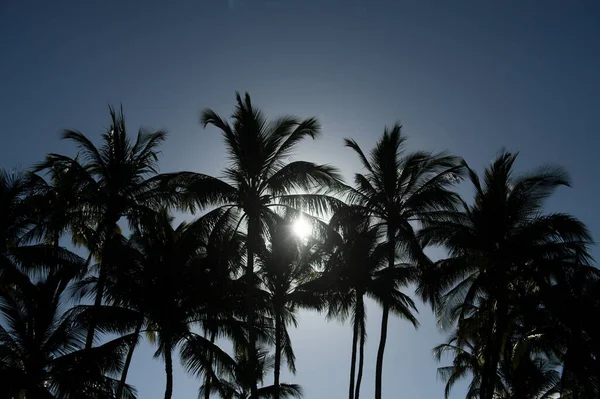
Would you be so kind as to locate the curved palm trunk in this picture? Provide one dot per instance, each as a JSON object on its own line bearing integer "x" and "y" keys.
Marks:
{"x": 276, "y": 372}
{"x": 384, "y": 319}
{"x": 250, "y": 307}
{"x": 132, "y": 346}
{"x": 353, "y": 360}
{"x": 169, "y": 372}
{"x": 361, "y": 355}
{"x": 208, "y": 379}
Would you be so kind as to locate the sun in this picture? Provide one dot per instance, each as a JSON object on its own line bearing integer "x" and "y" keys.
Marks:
{"x": 301, "y": 228}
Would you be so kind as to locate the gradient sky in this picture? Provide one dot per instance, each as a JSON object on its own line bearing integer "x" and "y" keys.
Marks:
{"x": 466, "y": 76}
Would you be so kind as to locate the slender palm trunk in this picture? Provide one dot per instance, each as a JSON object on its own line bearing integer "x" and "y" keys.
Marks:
{"x": 132, "y": 346}
{"x": 112, "y": 221}
{"x": 361, "y": 355}
{"x": 384, "y": 319}
{"x": 169, "y": 372}
{"x": 97, "y": 303}
{"x": 208, "y": 379}
{"x": 250, "y": 306}
{"x": 276, "y": 372}
{"x": 353, "y": 360}
{"x": 489, "y": 377}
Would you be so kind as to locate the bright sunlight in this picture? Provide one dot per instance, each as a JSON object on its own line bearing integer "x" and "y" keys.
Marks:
{"x": 302, "y": 228}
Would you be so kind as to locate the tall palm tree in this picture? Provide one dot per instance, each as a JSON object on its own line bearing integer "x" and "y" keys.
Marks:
{"x": 238, "y": 384}
{"x": 500, "y": 241}
{"x": 259, "y": 181}
{"x": 357, "y": 266}
{"x": 114, "y": 180}
{"x": 41, "y": 346}
{"x": 399, "y": 189}
{"x": 287, "y": 274}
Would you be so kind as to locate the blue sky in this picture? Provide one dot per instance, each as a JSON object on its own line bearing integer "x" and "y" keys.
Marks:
{"x": 470, "y": 77}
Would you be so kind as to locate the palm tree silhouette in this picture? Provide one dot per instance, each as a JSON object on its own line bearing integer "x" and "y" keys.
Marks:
{"x": 238, "y": 385}
{"x": 357, "y": 266}
{"x": 41, "y": 347}
{"x": 496, "y": 243}
{"x": 258, "y": 182}
{"x": 113, "y": 181}
{"x": 398, "y": 190}
{"x": 287, "y": 274}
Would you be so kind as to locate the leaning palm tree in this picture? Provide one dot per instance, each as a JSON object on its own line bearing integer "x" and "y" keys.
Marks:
{"x": 113, "y": 181}
{"x": 41, "y": 346}
{"x": 258, "y": 182}
{"x": 398, "y": 190}
{"x": 500, "y": 241}
{"x": 287, "y": 274}
{"x": 238, "y": 385}
{"x": 357, "y": 266}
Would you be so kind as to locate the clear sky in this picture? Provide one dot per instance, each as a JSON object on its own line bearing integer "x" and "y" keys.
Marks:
{"x": 466, "y": 76}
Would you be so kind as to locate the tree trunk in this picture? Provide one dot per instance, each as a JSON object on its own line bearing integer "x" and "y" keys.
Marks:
{"x": 101, "y": 274}
{"x": 97, "y": 303}
{"x": 278, "y": 342}
{"x": 382, "y": 340}
{"x": 361, "y": 355}
{"x": 250, "y": 307}
{"x": 353, "y": 360}
{"x": 384, "y": 317}
{"x": 208, "y": 379}
{"x": 169, "y": 372}
{"x": 132, "y": 346}
{"x": 488, "y": 380}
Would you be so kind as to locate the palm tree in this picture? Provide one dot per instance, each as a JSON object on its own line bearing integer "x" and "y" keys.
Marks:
{"x": 287, "y": 275}
{"x": 399, "y": 189}
{"x": 16, "y": 218}
{"x": 41, "y": 348}
{"x": 239, "y": 384}
{"x": 496, "y": 245}
{"x": 357, "y": 267}
{"x": 165, "y": 290}
{"x": 258, "y": 182}
{"x": 113, "y": 181}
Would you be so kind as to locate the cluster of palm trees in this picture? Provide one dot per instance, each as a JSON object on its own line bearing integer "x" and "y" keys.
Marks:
{"x": 517, "y": 292}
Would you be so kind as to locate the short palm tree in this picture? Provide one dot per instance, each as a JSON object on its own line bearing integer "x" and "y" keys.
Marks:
{"x": 113, "y": 181}
{"x": 41, "y": 347}
{"x": 500, "y": 241}
{"x": 357, "y": 266}
{"x": 287, "y": 274}
{"x": 238, "y": 384}
{"x": 259, "y": 181}
{"x": 166, "y": 290}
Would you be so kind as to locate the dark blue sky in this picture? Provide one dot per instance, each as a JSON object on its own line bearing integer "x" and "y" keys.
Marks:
{"x": 466, "y": 76}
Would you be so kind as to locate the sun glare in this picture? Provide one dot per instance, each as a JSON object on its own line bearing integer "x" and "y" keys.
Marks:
{"x": 301, "y": 228}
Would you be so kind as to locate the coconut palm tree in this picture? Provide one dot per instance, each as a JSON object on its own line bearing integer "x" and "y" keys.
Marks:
{"x": 113, "y": 181}
{"x": 496, "y": 245}
{"x": 258, "y": 181}
{"x": 238, "y": 384}
{"x": 16, "y": 218}
{"x": 165, "y": 290}
{"x": 41, "y": 346}
{"x": 399, "y": 189}
{"x": 357, "y": 266}
{"x": 287, "y": 275}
